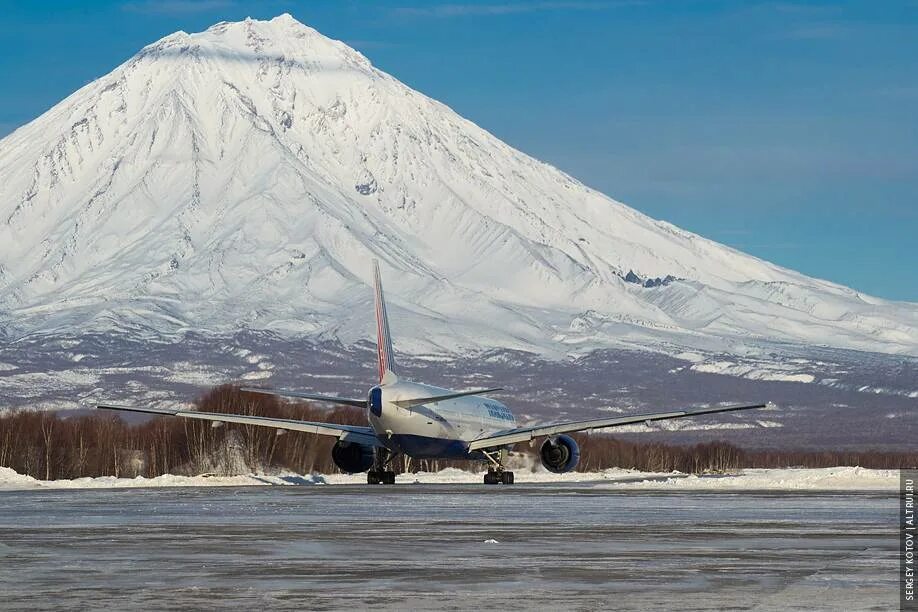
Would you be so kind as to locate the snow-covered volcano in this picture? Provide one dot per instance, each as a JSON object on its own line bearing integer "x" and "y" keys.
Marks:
{"x": 245, "y": 176}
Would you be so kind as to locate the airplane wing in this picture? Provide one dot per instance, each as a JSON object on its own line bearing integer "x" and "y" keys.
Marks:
{"x": 360, "y": 403}
{"x": 347, "y": 433}
{"x": 524, "y": 434}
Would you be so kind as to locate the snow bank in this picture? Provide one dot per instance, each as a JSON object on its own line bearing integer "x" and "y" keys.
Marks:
{"x": 822, "y": 479}
{"x": 825, "y": 479}
{"x": 10, "y": 479}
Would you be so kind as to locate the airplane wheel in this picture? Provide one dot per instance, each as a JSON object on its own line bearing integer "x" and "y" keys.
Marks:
{"x": 388, "y": 478}
{"x": 491, "y": 478}
{"x": 373, "y": 477}
{"x": 506, "y": 478}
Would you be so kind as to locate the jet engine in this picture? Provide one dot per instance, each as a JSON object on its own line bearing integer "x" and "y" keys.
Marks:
{"x": 559, "y": 454}
{"x": 351, "y": 457}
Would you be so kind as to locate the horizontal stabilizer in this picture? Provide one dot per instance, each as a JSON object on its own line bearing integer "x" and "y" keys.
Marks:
{"x": 417, "y": 401}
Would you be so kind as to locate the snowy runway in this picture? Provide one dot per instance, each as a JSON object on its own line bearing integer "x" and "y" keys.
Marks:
{"x": 581, "y": 545}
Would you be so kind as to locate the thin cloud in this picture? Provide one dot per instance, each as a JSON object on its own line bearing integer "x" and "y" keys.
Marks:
{"x": 898, "y": 92}
{"x": 736, "y": 232}
{"x": 819, "y": 31}
{"x": 370, "y": 44}
{"x": 801, "y": 8}
{"x": 465, "y": 10}
{"x": 745, "y": 246}
{"x": 176, "y": 7}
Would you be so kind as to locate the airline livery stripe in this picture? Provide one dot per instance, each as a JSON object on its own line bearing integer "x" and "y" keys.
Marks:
{"x": 383, "y": 338}
{"x": 380, "y": 333}
{"x": 379, "y": 336}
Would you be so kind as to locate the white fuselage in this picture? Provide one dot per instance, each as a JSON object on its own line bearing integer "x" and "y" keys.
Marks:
{"x": 438, "y": 429}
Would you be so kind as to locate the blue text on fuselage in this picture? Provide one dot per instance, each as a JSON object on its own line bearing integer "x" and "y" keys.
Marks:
{"x": 498, "y": 411}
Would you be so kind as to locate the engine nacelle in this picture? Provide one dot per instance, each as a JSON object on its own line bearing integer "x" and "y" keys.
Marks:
{"x": 351, "y": 457}
{"x": 560, "y": 454}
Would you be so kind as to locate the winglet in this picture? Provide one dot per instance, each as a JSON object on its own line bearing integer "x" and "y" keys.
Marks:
{"x": 383, "y": 338}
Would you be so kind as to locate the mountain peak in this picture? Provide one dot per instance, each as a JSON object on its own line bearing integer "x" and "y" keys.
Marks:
{"x": 244, "y": 176}
{"x": 283, "y": 24}
{"x": 288, "y": 19}
{"x": 280, "y": 38}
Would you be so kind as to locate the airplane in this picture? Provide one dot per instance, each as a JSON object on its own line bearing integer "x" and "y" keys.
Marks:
{"x": 426, "y": 422}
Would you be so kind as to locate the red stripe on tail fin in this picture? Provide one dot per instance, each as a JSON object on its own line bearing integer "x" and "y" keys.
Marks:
{"x": 383, "y": 338}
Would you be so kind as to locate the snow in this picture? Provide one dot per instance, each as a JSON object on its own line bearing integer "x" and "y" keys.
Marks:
{"x": 824, "y": 479}
{"x": 196, "y": 374}
{"x": 756, "y": 371}
{"x": 245, "y": 176}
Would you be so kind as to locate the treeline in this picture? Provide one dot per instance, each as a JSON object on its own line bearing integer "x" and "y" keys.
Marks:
{"x": 49, "y": 445}
{"x": 601, "y": 451}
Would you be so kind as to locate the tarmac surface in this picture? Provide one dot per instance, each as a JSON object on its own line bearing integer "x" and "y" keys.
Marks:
{"x": 546, "y": 546}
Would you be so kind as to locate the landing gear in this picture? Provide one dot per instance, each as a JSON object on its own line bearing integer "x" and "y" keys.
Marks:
{"x": 498, "y": 477}
{"x": 383, "y": 477}
{"x": 379, "y": 474}
{"x": 496, "y": 473}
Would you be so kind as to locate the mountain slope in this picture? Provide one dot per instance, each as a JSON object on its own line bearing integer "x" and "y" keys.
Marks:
{"x": 243, "y": 177}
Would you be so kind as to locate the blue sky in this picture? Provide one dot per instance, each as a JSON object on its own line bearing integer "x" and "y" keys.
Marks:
{"x": 788, "y": 130}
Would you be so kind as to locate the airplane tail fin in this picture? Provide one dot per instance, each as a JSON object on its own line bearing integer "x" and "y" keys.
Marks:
{"x": 383, "y": 338}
